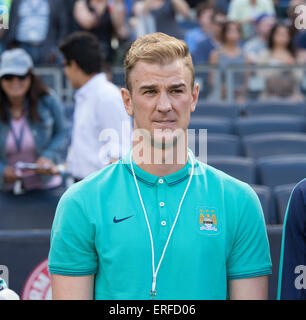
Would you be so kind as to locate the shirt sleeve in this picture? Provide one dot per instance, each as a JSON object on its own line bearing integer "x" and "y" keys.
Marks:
{"x": 250, "y": 253}
{"x": 72, "y": 247}
{"x": 293, "y": 253}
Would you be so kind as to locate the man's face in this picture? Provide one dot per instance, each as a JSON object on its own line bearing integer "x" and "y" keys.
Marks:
{"x": 161, "y": 98}
{"x": 71, "y": 72}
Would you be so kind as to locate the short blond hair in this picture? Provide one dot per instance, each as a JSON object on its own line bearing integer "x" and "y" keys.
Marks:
{"x": 156, "y": 48}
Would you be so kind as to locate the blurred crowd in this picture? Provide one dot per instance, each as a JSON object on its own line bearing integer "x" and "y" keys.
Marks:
{"x": 219, "y": 33}
{"x": 41, "y": 155}
{"x": 38, "y": 26}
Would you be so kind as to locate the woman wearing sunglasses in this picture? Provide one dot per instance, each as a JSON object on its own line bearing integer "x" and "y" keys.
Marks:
{"x": 32, "y": 126}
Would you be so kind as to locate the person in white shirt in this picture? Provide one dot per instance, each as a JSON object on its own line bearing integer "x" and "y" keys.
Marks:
{"x": 98, "y": 108}
{"x": 247, "y": 11}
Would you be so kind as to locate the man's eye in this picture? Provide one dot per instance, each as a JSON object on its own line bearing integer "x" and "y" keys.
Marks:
{"x": 149, "y": 92}
{"x": 177, "y": 91}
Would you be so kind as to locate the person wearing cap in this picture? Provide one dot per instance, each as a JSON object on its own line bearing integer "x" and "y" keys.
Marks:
{"x": 159, "y": 223}
{"x": 259, "y": 42}
{"x": 32, "y": 125}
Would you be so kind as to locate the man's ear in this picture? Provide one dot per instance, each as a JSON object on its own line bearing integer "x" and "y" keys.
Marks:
{"x": 127, "y": 100}
{"x": 74, "y": 65}
{"x": 195, "y": 96}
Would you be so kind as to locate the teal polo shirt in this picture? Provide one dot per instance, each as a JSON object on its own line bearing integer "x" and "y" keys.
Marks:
{"x": 100, "y": 228}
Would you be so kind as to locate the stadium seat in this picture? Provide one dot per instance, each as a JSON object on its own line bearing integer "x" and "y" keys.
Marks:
{"x": 279, "y": 170}
{"x": 202, "y": 78}
{"x": 32, "y": 210}
{"x": 268, "y": 124}
{"x": 269, "y": 144}
{"x": 212, "y": 124}
{"x": 239, "y": 167}
{"x": 218, "y": 110}
{"x": 218, "y": 144}
{"x": 223, "y": 144}
{"x": 264, "y": 108}
{"x": 282, "y": 195}
{"x": 265, "y": 197}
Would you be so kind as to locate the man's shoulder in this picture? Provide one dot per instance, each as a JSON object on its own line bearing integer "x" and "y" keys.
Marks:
{"x": 106, "y": 85}
{"x": 302, "y": 185}
{"x": 107, "y": 92}
{"x": 228, "y": 182}
{"x": 194, "y": 34}
{"x": 98, "y": 180}
{"x": 300, "y": 191}
{"x": 100, "y": 87}
{"x": 240, "y": 198}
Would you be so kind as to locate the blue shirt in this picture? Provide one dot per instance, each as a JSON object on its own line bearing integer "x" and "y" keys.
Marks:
{"x": 203, "y": 50}
{"x": 292, "y": 268}
{"x": 100, "y": 229}
{"x": 193, "y": 37}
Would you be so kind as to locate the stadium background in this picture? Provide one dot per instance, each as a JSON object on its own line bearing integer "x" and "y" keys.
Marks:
{"x": 259, "y": 140}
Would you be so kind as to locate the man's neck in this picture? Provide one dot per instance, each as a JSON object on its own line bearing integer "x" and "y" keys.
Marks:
{"x": 161, "y": 162}
{"x": 161, "y": 170}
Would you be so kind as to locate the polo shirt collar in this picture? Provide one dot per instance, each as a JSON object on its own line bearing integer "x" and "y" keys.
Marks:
{"x": 151, "y": 179}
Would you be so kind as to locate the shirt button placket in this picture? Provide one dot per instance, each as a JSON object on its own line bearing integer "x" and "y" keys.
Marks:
{"x": 162, "y": 203}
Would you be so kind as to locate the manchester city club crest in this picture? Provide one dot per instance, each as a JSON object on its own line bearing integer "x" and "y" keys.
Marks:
{"x": 207, "y": 220}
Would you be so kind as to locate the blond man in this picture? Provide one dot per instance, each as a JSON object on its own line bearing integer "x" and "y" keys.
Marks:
{"x": 158, "y": 223}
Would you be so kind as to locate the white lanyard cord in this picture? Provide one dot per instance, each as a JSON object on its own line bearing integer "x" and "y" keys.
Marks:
{"x": 153, "y": 292}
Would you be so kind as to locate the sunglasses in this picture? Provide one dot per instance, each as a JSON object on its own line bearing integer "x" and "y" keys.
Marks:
{"x": 10, "y": 77}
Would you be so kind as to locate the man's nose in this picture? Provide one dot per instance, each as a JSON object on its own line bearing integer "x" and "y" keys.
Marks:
{"x": 164, "y": 103}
